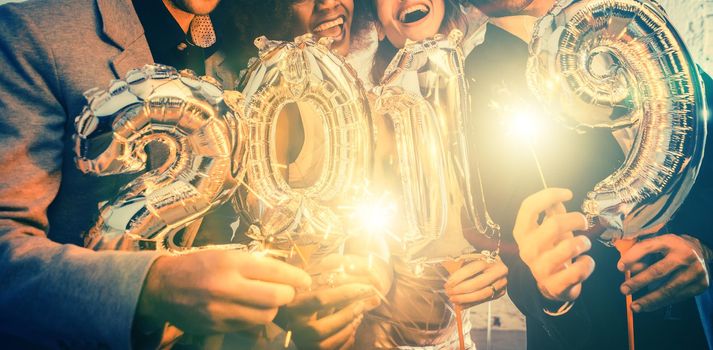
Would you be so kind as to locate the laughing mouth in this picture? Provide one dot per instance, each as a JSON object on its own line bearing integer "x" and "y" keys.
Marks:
{"x": 414, "y": 13}
{"x": 332, "y": 27}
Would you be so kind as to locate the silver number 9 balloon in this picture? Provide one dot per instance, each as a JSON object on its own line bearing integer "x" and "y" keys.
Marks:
{"x": 157, "y": 105}
{"x": 620, "y": 64}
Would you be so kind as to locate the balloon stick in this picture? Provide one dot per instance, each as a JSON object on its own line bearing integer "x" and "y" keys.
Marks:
{"x": 623, "y": 245}
{"x": 451, "y": 266}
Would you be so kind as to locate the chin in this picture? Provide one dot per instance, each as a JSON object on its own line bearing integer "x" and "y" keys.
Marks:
{"x": 502, "y": 8}
{"x": 342, "y": 48}
{"x": 196, "y": 7}
{"x": 420, "y": 34}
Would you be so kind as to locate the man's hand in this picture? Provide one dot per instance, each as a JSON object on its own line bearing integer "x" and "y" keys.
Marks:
{"x": 682, "y": 270}
{"x": 327, "y": 317}
{"x": 217, "y": 291}
{"x": 550, "y": 250}
{"x": 477, "y": 282}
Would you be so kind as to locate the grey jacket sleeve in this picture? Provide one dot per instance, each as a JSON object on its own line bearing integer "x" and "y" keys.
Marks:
{"x": 54, "y": 294}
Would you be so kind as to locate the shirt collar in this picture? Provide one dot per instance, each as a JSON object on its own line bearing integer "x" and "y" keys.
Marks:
{"x": 162, "y": 32}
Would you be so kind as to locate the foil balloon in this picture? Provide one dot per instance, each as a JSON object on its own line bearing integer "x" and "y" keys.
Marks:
{"x": 620, "y": 64}
{"x": 421, "y": 161}
{"x": 424, "y": 96}
{"x": 419, "y": 109}
{"x": 201, "y": 145}
{"x": 306, "y": 74}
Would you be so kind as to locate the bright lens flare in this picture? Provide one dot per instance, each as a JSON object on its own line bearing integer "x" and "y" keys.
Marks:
{"x": 375, "y": 217}
{"x": 524, "y": 124}
{"x": 371, "y": 214}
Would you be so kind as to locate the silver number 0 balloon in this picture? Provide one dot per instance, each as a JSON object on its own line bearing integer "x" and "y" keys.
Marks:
{"x": 303, "y": 71}
{"x": 620, "y": 64}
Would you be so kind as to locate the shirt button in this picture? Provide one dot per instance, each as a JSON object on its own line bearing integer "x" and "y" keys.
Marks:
{"x": 181, "y": 46}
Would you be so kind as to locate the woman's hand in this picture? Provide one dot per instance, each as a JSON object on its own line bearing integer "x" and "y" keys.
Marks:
{"x": 477, "y": 282}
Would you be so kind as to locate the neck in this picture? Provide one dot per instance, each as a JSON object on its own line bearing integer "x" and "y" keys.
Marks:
{"x": 182, "y": 17}
{"x": 539, "y": 8}
{"x": 519, "y": 26}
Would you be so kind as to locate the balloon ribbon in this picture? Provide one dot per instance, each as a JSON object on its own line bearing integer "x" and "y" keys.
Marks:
{"x": 623, "y": 245}
{"x": 451, "y": 266}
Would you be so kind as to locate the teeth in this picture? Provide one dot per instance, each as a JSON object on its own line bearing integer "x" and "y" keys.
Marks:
{"x": 410, "y": 9}
{"x": 327, "y": 25}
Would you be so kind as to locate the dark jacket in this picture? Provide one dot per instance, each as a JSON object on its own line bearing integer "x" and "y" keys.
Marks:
{"x": 53, "y": 293}
{"x": 578, "y": 162}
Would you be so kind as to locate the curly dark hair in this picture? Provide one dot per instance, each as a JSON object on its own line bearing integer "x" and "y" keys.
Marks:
{"x": 244, "y": 20}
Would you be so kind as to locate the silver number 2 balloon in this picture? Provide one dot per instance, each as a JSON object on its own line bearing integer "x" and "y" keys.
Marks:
{"x": 202, "y": 164}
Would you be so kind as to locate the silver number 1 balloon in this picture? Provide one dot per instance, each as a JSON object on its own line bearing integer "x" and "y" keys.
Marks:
{"x": 424, "y": 95}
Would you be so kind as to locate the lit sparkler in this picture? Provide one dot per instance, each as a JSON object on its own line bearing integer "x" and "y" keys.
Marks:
{"x": 524, "y": 124}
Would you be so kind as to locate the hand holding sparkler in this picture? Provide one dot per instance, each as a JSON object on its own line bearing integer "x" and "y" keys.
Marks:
{"x": 216, "y": 291}
{"x": 327, "y": 316}
{"x": 551, "y": 251}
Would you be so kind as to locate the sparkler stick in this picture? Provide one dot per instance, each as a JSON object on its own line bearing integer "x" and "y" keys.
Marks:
{"x": 288, "y": 337}
{"x": 256, "y": 194}
{"x": 537, "y": 162}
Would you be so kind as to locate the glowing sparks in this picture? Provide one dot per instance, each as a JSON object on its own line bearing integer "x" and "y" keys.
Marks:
{"x": 524, "y": 124}
{"x": 295, "y": 248}
{"x": 374, "y": 216}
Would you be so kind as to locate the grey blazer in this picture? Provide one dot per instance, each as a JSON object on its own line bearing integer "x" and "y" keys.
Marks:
{"x": 53, "y": 293}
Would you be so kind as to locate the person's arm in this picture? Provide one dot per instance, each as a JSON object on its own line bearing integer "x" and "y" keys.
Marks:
{"x": 565, "y": 329}
{"x": 547, "y": 272}
{"x": 51, "y": 293}
{"x": 68, "y": 296}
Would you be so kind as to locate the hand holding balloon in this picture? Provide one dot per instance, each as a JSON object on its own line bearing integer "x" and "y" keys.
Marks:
{"x": 216, "y": 291}
{"x": 477, "y": 282}
{"x": 682, "y": 268}
{"x": 550, "y": 250}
